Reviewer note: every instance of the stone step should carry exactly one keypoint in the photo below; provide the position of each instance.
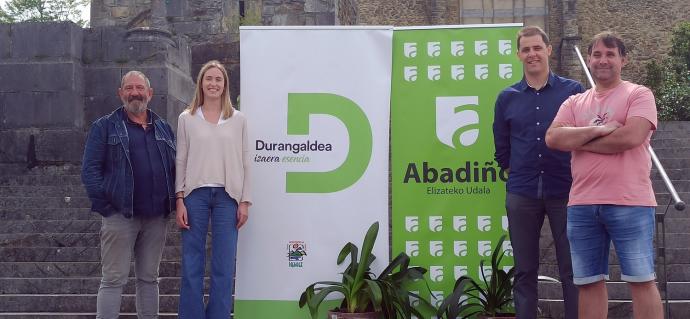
(40, 180)
(67, 254)
(671, 215)
(61, 226)
(67, 269)
(618, 309)
(676, 222)
(673, 240)
(672, 151)
(663, 135)
(682, 186)
(674, 174)
(668, 134)
(676, 273)
(45, 240)
(73, 303)
(48, 214)
(618, 290)
(52, 226)
(20, 169)
(673, 163)
(76, 285)
(44, 202)
(42, 191)
(680, 126)
(74, 315)
(673, 256)
(659, 142)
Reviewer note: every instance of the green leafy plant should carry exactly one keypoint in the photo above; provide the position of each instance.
(670, 78)
(387, 294)
(13, 11)
(492, 296)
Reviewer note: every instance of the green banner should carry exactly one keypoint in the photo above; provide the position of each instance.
(448, 192)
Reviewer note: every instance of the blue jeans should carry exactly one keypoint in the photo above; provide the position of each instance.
(591, 228)
(204, 204)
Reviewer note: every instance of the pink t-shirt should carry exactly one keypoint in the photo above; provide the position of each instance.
(621, 178)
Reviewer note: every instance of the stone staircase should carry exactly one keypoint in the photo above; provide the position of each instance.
(49, 246)
(671, 142)
(49, 249)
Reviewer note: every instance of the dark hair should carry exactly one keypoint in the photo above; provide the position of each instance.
(532, 31)
(610, 40)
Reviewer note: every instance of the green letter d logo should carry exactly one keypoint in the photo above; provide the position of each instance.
(300, 107)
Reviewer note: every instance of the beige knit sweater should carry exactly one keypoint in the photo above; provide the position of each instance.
(213, 154)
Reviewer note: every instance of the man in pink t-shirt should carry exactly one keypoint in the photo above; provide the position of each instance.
(607, 129)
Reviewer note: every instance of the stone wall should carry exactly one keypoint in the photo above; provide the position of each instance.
(41, 92)
(644, 25)
(56, 78)
(346, 12)
(397, 13)
(110, 52)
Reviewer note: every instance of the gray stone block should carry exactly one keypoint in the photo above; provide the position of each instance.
(176, 8)
(43, 109)
(99, 105)
(14, 146)
(180, 56)
(5, 41)
(60, 146)
(180, 85)
(102, 80)
(318, 6)
(44, 41)
(92, 52)
(157, 74)
(114, 47)
(40, 76)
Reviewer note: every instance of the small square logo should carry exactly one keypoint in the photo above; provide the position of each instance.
(296, 250)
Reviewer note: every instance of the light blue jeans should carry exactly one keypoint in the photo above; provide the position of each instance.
(204, 205)
(120, 239)
(592, 228)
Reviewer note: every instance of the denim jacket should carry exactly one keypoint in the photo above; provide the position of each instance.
(106, 167)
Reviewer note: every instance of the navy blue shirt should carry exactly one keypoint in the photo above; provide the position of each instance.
(521, 118)
(150, 193)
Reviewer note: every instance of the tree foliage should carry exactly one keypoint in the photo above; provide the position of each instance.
(43, 10)
(669, 79)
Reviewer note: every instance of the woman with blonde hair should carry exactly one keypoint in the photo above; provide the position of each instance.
(212, 175)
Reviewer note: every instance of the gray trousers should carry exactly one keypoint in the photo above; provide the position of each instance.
(122, 238)
(525, 219)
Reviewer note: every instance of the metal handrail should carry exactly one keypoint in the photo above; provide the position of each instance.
(678, 203)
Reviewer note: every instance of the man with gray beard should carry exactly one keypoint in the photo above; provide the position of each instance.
(128, 171)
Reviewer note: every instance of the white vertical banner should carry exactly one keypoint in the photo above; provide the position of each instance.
(317, 101)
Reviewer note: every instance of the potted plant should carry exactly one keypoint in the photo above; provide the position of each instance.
(366, 296)
(491, 297)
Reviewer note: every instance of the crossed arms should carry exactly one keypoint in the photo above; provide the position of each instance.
(610, 138)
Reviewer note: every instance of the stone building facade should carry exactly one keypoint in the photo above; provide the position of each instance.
(56, 78)
(212, 25)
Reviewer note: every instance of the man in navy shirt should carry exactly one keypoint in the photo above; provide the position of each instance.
(128, 171)
(539, 178)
